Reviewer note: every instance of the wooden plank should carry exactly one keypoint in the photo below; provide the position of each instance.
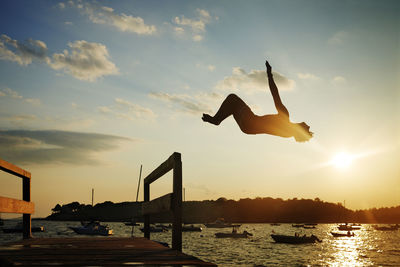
(165, 167)
(157, 205)
(14, 170)
(10, 205)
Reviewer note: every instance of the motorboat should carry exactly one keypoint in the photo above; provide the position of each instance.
(154, 229)
(191, 228)
(297, 225)
(387, 228)
(19, 229)
(295, 239)
(132, 223)
(348, 234)
(92, 228)
(166, 226)
(220, 223)
(233, 234)
(348, 227)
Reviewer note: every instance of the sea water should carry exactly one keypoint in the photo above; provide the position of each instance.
(368, 246)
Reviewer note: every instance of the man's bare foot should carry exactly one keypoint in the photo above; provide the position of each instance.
(209, 119)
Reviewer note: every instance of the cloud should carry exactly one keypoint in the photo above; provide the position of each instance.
(202, 188)
(19, 118)
(86, 61)
(179, 30)
(105, 15)
(307, 76)
(339, 80)
(197, 26)
(7, 92)
(209, 67)
(255, 80)
(48, 146)
(125, 109)
(22, 52)
(185, 103)
(338, 38)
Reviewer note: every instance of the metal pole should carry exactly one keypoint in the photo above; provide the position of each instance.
(92, 195)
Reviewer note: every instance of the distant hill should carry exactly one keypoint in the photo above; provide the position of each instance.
(258, 210)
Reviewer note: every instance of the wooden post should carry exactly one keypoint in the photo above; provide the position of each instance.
(146, 197)
(170, 202)
(177, 203)
(24, 206)
(26, 218)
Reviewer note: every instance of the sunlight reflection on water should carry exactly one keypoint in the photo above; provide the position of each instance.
(367, 247)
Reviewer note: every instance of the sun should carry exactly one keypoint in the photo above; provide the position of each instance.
(342, 160)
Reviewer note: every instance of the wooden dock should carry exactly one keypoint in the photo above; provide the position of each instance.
(99, 251)
(93, 251)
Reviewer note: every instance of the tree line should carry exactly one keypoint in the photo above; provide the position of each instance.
(246, 210)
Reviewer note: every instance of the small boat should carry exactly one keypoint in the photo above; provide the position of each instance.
(348, 227)
(191, 228)
(311, 224)
(296, 239)
(220, 223)
(297, 225)
(274, 224)
(154, 229)
(169, 226)
(387, 228)
(309, 227)
(348, 234)
(131, 224)
(234, 234)
(19, 229)
(92, 228)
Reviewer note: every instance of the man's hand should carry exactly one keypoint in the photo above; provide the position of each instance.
(269, 68)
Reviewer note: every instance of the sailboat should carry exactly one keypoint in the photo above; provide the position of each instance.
(133, 222)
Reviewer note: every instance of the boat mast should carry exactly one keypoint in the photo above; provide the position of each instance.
(138, 186)
(137, 196)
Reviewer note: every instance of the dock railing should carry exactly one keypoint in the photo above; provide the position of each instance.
(24, 206)
(169, 202)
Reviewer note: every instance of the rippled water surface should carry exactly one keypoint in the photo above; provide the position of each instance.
(367, 247)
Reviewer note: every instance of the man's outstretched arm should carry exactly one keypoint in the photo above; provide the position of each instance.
(274, 91)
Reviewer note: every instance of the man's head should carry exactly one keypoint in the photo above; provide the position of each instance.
(302, 132)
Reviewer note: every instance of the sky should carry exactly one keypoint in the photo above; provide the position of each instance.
(92, 90)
